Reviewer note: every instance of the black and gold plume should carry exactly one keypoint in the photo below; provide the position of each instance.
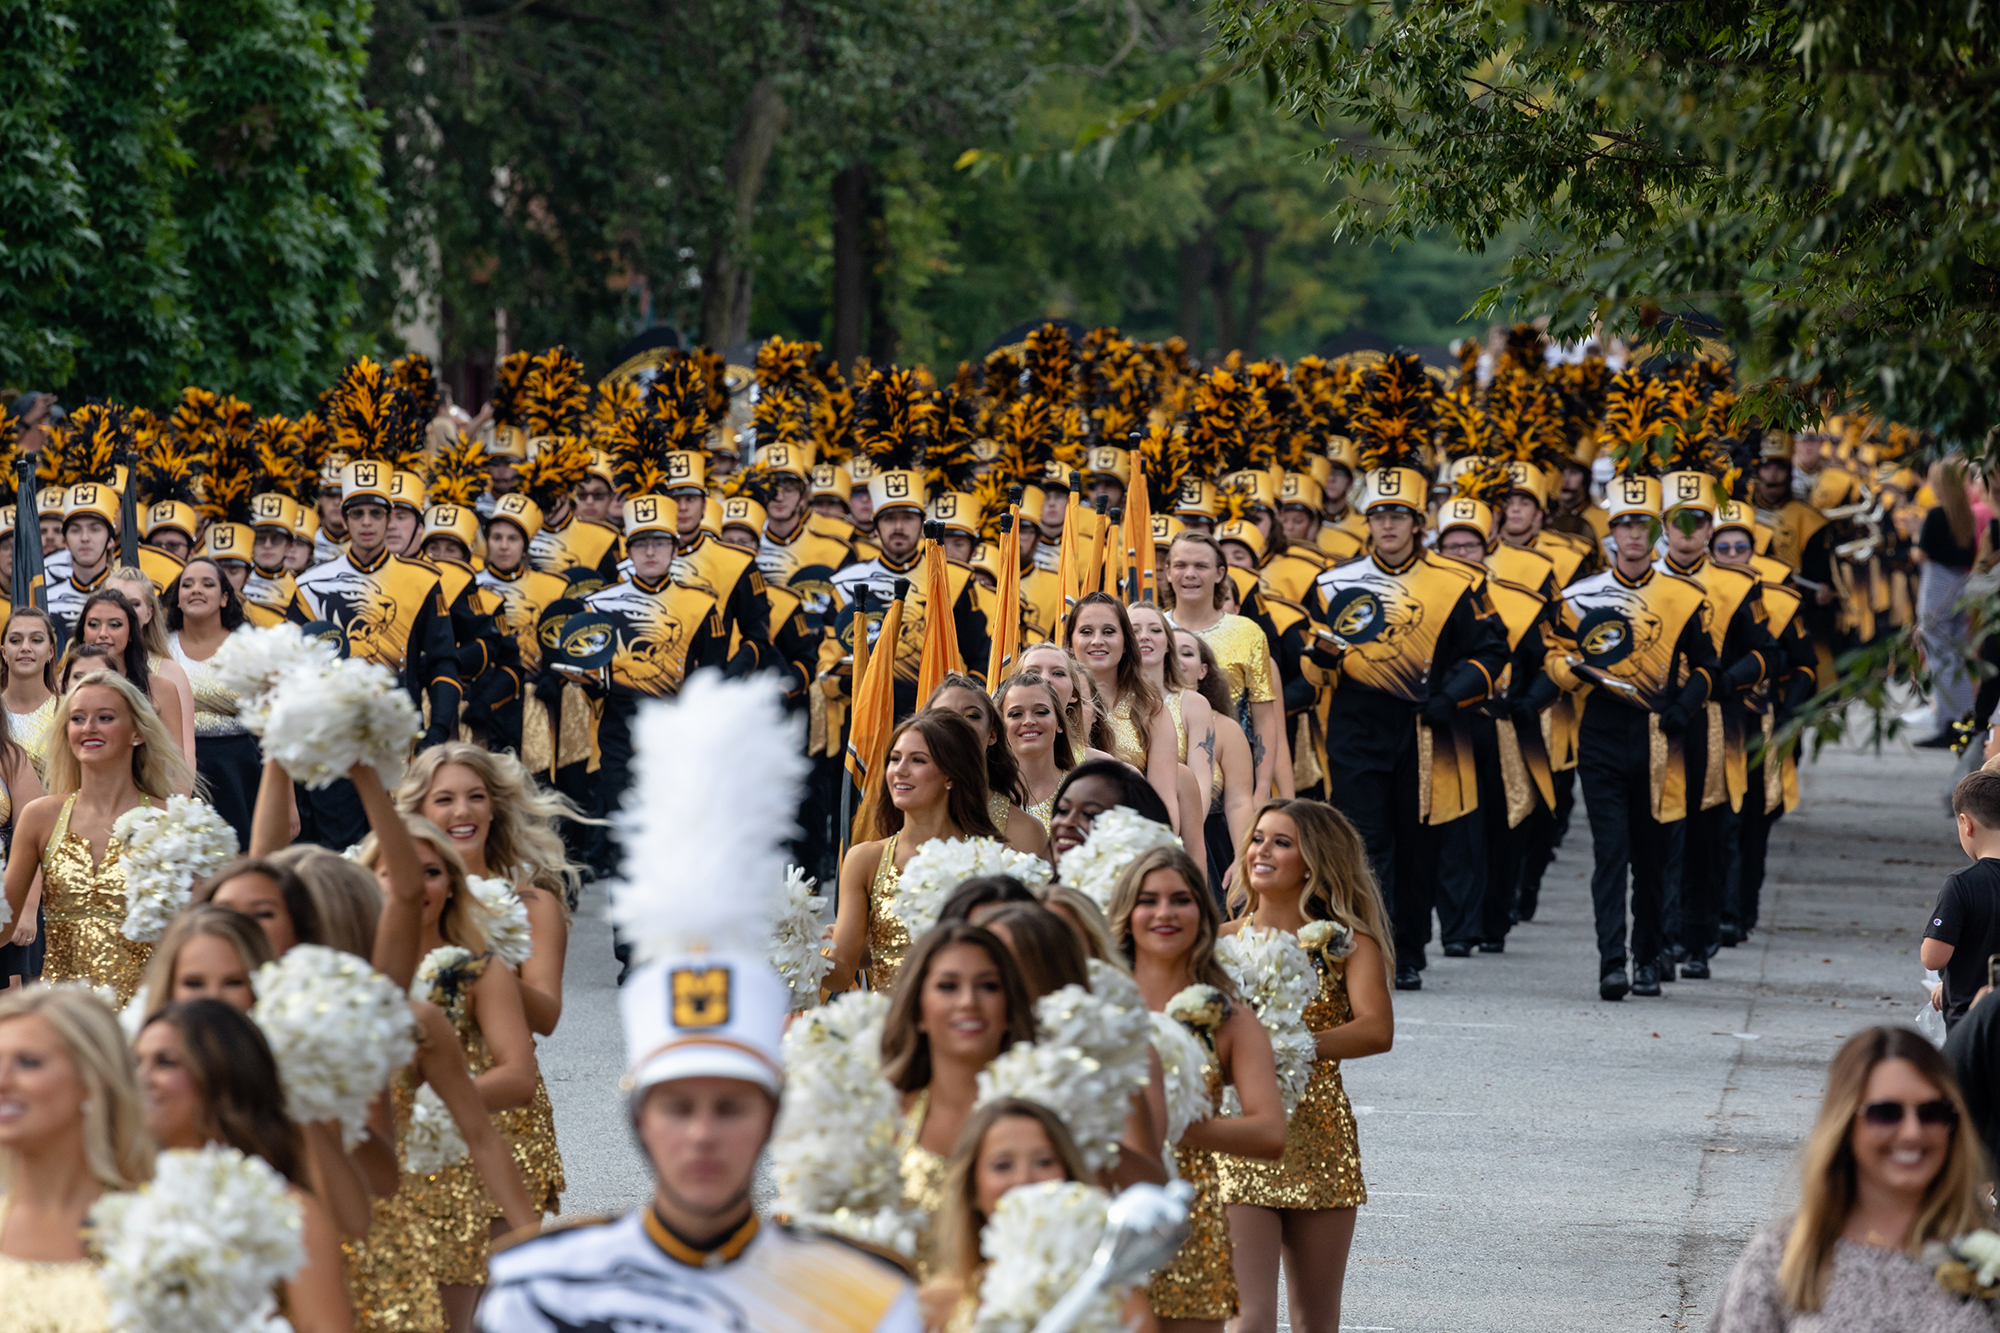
(415, 375)
(507, 381)
(278, 455)
(894, 420)
(557, 468)
(374, 417)
(1392, 413)
(1636, 412)
(458, 473)
(552, 398)
(89, 446)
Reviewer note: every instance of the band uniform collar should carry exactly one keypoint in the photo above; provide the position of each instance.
(1388, 568)
(379, 561)
(693, 1256)
(1639, 582)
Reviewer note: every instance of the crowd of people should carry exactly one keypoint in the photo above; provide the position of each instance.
(1348, 637)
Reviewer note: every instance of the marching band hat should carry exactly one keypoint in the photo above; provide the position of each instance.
(897, 489)
(1528, 479)
(1108, 460)
(519, 510)
(1464, 512)
(790, 459)
(600, 467)
(228, 541)
(91, 499)
(687, 472)
(272, 510)
(406, 491)
(1244, 533)
(1033, 497)
(1396, 488)
(650, 515)
(1340, 454)
(711, 516)
(50, 500)
(168, 514)
(1736, 514)
(831, 479)
(1165, 528)
(1632, 497)
(451, 520)
(305, 523)
(509, 442)
(365, 482)
(743, 511)
(957, 511)
(1255, 486)
(1687, 490)
(1300, 490)
(704, 1015)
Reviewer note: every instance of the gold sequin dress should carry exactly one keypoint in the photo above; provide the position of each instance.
(83, 906)
(51, 1297)
(923, 1180)
(1200, 1283)
(888, 937)
(1321, 1167)
(391, 1273)
(1127, 741)
(33, 731)
(1244, 654)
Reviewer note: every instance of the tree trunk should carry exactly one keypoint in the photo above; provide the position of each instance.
(725, 279)
(850, 274)
(1258, 240)
(884, 340)
(1221, 278)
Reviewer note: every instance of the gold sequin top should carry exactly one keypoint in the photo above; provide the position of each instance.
(997, 807)
(1321, 1167)
(1245, 655)
(51, 1297)
(33, 731)
(923, 1179)
(888, 937)
(1044, 811)
(1173, 700)
(1127, 741)
(214, 705)
(83, 904)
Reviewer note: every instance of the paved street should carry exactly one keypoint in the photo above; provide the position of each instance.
(1536, 1159)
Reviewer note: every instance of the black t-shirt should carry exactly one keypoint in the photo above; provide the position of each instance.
(1967, 917)
(1974, 1051)
(1936, 541)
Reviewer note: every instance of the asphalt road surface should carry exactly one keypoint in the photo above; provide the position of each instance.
(1537, 1159)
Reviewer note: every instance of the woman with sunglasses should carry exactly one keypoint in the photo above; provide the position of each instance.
(1892, 1165)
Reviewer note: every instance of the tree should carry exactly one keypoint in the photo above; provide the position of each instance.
(281, 204)
(45, 236)
(1816, 175)
(127, 309)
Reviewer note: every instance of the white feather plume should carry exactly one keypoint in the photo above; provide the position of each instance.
(714, 796)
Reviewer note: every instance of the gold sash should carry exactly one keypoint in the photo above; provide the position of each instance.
(1714, 781)
(1447, 781)
(1667, 767)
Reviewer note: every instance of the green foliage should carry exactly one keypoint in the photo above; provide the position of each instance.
(1816, 174)
(280, 205)
(127, 309)
(45, 235)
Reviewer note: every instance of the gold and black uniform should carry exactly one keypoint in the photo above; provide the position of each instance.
(731, 579)
(805, 562)
(393, 612)
(879, 577)
(577, 543)
(1746, 655)
(1640, 656)
(273, 599)
(514, 603)
(67, 596)
(1772, 786)
(1422, 644)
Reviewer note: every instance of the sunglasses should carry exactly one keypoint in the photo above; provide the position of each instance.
(1732, 548)
(1939, 1112)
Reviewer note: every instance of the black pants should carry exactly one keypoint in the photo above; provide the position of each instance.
(1753, 842)
(231, 767)
(1381, 800)
(331, 816)
(1613, 764)
(1541, 833)
(608, 785)
(1479, 856)
(1704, 871)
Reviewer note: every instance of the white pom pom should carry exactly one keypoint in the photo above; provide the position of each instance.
(321, 724)
(252, 661)
(714, 798)
(942, 864)
(167, 848)
(200, 1248)
(795, 949)
(1037, 1244)
(1184, 1071)
(433, 1141)
(338, 1029)
(505, 923)
(1118, 837)
(1273, 972)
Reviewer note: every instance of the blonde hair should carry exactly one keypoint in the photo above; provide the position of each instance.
(1075, 729)
(152, 635)
(1200, 964)
(158, 768)
(463, 920)
(521, 837)
(1828, 1177)
(1340, 882)
(348, 899)
(1088, 917)
(252, 945)
(1170, 667)
(116, 1147)
(959, 1222)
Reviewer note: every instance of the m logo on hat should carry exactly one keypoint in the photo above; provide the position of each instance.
(896, 486)
(222, 537)
(700, 996)
(84, 495)
(267, 506)
(823, 475)
(1191, 491)
(1290, 489)
(947, 506)
(510, 504)
(1389, 482)
(779, 456)
(1104, 459)
(1462, 511)
(445, 516)
(161, 512)
(646, 509)
(679, 467)
(1631, 491)
(1517, 473)
(735, 508)
(368, 474)
(1687, 487)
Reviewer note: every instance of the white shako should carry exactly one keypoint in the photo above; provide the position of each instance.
(718, 771)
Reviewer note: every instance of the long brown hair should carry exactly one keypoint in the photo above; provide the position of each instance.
(346, 898)
(1340, 883)
(1067, 722)
(1201, 965)
(960, 1221)
(1828, 1177)
(19, 614)
(954, 748)
(1072, 712)
(1003, 775)
(1170, 665)
(1132, 682)
(1044, 946)
(299, 904)
(1211, 686)
(237, 1077)
(906, 1051)
(240, 932)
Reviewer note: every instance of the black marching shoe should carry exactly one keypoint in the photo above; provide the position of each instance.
(1613, 985)
(1493, 946)
(1646, 979)
(1730, 936)
(1664, 964)
(1408, 978)
(1695, 969)
(1458, 949)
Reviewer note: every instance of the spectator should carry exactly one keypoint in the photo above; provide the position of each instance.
(1892, 1165)
(1964, 930)
(1949, 545)
(1973, 1048)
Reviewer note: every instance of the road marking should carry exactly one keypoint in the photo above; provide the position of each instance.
(1431, 1023)
(1396, 1110)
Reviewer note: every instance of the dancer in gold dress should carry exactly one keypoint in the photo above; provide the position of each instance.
(933, 786)
(1142, 730)
(1031, 717)
(1304, 865)
(28, 681)
(82, 1135)
(1165, 921)
(959, 1004)
(115, 756)
(1006, 800)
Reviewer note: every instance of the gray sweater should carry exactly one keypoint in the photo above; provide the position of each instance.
(1872, 1290)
